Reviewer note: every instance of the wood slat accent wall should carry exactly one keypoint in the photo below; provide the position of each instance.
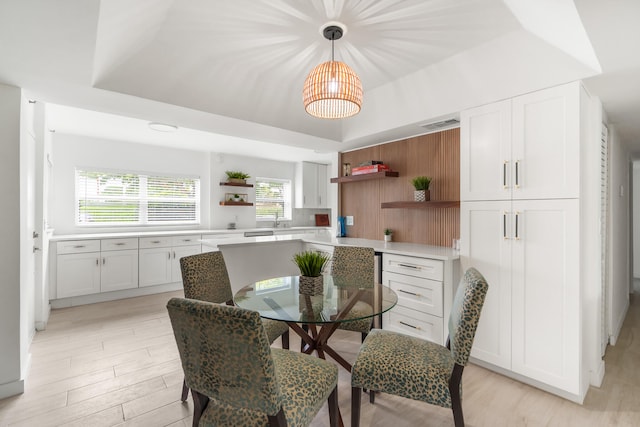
(436, 155)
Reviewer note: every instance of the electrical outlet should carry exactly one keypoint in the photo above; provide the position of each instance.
(350, 220)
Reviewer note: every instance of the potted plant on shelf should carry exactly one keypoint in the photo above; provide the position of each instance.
(237, 177)
(421, 185)
(311, 265)
(388, 234)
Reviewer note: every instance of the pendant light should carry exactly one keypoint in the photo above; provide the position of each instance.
(332, 90)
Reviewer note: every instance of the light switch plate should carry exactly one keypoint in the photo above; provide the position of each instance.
(349, 220)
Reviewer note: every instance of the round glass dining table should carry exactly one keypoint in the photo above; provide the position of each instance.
(316, 316)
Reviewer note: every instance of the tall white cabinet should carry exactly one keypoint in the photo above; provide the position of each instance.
(311, 185)
(520, 227)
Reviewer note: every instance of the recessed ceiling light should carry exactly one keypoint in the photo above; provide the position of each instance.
(162, 127)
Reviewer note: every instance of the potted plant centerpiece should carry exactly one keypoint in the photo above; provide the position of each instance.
(311, 265)
(421, 185)
(237, 177)
(388, 234)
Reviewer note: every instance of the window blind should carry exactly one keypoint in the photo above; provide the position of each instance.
(116, 198)
(273, 196)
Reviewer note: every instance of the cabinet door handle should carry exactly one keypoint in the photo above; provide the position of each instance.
(174, 254)
(415, 267)
(104, 260)
(97, 262)
(169, 253)
(504, 174)
(409, 325)
(504, 226)
(517, 174)
(409, 293)
(517, 237)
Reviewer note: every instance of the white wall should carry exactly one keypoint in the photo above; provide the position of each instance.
(636, 219)
(11, 359)
(71, 151)
(618, 298)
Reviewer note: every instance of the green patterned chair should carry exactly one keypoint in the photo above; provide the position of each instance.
(353, 264)
(237, 379)
(205, 278)
(417, 369)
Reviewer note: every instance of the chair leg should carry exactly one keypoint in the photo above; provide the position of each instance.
(200, 402)
(334, 413)
(285, 340)
(185, 391)
(364, 335)
(277, 420)
(305, 328)
(454, 390)
(356, 394)
(372, 397)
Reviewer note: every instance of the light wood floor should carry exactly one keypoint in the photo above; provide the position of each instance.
(116, 363)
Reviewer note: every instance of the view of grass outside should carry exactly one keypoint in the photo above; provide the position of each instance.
(273, 197)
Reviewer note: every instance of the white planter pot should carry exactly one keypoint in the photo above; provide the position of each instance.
(387, 237)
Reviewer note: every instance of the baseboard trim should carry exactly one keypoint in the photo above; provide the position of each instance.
(618, 327)
(115, 295)
(11, 389)
(597, 376)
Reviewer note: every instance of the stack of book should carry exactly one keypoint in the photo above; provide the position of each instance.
(371, 166)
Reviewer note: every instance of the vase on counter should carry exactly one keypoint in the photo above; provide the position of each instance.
(388, 237)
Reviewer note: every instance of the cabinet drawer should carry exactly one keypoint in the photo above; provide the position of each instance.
(411, 322)
(416, 293)
(413, 266)
(155, 242)
(78, 246)
(118, 244)
(193, 239)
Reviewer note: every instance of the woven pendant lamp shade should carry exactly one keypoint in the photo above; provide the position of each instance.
(332, 90)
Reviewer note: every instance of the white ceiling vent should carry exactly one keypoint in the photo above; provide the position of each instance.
(441, 125)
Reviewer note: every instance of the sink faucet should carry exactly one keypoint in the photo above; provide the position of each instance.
(275, 222)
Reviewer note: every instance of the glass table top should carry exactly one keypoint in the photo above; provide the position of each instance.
(340, 301)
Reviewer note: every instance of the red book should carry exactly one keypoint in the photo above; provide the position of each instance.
(359, 170)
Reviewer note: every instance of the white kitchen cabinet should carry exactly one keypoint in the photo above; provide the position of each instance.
(419, 285)
(528, 250)
(78, 268)
(160, 258)
(311, 185)
(119, 264)
(524, 148)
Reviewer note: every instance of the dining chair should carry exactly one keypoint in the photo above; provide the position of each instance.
(410, 367)
(205, 278)
(355, 266)
(237, 379)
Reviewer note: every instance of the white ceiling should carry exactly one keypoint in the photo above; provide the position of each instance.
(230, 73)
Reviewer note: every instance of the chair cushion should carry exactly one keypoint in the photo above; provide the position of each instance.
(305, 381)
(404, 366)
(361, 325)
(274, 329)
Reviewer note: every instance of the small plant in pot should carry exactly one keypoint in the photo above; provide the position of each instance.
(388, 234)
(421, 185)
(237, 177)
(311, 265)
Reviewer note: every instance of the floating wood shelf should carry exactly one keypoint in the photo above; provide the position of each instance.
(422, 205)
(235, 204)
(366, 176)
(235, 184)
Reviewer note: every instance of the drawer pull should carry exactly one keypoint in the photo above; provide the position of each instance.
(120, 244)
(186, 240)
(407, 324)
(78, 246)
(409, 293)
(414, 267)
(156, 241)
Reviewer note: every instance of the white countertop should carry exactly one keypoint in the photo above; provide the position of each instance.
(409, 249)
(121, 235)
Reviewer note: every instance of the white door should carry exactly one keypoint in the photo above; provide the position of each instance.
(177, 253)
(119, 270)
(485, 229)
(154, 266)
(485, 152)
(546, 143)
(546, 292)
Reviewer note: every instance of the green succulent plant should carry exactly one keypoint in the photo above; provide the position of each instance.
(237, 175)
(311, 263)
(388, 231)
(421, 182)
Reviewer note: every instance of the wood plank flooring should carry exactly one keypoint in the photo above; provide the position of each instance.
(116, 364)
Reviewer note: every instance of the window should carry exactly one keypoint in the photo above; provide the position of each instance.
(273, 196)
(122, 198)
